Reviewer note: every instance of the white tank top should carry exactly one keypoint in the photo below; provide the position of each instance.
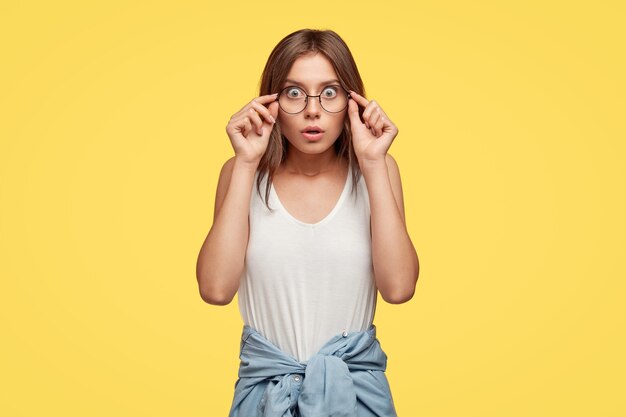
(304, 283)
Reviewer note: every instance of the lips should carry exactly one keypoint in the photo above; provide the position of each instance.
(313, 132)
(312, 129)
(313, 136)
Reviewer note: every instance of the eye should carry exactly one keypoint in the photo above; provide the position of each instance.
(293, 92)
(329, 92)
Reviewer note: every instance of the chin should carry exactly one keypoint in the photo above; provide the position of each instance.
(312, 148)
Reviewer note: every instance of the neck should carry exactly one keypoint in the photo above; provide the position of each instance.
(311, 165)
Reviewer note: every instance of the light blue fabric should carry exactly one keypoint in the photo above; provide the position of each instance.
(344, 379)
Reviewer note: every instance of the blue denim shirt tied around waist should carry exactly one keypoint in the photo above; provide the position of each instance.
(344, 378)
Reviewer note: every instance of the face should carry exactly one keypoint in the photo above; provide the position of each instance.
(315, 75)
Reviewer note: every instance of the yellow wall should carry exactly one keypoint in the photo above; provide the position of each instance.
(511, 150)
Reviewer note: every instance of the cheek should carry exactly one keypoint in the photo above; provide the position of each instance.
(284, 122)
(340, 124)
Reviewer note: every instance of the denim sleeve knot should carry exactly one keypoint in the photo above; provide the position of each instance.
(339, 380)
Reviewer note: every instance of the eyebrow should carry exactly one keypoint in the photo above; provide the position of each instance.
(299, 83)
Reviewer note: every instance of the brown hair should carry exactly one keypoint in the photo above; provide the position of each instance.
(282, 57)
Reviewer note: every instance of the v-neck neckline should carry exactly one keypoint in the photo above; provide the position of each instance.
(327, 218)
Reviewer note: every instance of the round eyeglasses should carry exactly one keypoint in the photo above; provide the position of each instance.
(293, 99)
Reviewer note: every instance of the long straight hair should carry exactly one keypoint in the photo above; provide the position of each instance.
(282, 57)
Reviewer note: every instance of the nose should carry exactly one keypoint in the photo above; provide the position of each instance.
(313, 106)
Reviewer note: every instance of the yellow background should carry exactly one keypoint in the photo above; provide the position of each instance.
(511, 150)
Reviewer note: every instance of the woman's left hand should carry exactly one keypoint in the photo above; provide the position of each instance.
(372, 139)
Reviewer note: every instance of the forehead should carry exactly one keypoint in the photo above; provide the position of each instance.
(312, 70)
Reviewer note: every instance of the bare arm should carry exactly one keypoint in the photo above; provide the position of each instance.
(396, 266)
(221, 259)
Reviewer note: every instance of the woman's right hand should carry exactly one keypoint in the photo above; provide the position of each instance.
(249, 129)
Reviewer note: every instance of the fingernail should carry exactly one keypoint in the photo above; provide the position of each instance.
(272, 119)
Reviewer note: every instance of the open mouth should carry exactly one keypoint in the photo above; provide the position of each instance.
(313, 134)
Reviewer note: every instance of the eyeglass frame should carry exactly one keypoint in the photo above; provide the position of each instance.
(306, 99)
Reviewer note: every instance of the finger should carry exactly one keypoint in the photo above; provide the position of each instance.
(383, 120)
(371, 122)
(268, 98)
(261, 99)
(382, 123)
(353, 113)
(247, 123)
(359, 98)
(256, 120)
(379, 128)
(367, 117)
(246, 127)
(374, 121)
(273, 109)
(262, 110)
(369, 110)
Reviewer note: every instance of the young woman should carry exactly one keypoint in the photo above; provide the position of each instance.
(308, 227)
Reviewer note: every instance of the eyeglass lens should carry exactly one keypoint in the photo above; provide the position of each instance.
(293, 99)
